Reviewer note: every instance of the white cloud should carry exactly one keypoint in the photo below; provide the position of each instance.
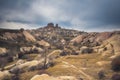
(46, 11)
(50, 10)
(17, 25)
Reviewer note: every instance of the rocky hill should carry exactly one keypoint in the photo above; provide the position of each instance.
(55, 53)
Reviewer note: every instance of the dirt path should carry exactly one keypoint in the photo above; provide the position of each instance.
(79, 70)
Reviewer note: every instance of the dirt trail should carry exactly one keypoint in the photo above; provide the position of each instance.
(79, 70)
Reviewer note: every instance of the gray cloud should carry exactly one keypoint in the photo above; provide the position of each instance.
(88, 15)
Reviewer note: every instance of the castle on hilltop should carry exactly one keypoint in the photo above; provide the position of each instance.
(52, 26)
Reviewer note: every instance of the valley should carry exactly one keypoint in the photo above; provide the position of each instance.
(55, 53)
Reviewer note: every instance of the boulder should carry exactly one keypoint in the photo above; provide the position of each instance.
(107, 53)
(47, 77)
(4, 74)
(3, 51)
(20, 62)
(102, 63)
(67, 78)
(22, 67)
(15, 70)
(25, 49)
(109, 46)
(63, 41)
(85, 49)
(43, 43)
(30, 49)
(55, 54)
(44, 77)
(28, 37)
(101, 50)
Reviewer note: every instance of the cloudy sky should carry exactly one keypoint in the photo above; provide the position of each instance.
(85, 15)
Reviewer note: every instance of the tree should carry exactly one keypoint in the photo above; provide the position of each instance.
(45, 57)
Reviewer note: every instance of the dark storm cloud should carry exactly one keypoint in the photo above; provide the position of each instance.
(10, 8)
(14, 4)
(102, 13)
(105, 11)
(78, 14)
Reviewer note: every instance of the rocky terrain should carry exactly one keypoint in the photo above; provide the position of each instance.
(55, 53)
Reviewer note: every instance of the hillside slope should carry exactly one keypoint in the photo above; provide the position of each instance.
(57, 53)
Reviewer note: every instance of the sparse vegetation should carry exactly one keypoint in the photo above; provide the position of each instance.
(101, 75)
(115, 77)
(59, 52)
(116, 64)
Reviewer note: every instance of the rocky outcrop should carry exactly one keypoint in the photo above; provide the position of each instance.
(92, 39)
(31, 49)
(55, 54)
(47, 77)
(85, 49)
(28, 37)
(43, 43)
(103, 63)
(11, 36)
(68, 78)
(16, 36)
(78, 39)
(103, 36)
(110, 47)
(44, 77)
(3, 51)
(24, 66)
(4, 74)
(20, 62)
(86, 39)
(115, 43)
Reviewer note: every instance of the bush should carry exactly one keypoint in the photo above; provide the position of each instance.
(116, 64)
(16, 71)
(7, 78)
(3, 62)
(20, 55)
(12, 77)
(101, 75)
(40, 66)
(43, 72)
(116, 77)
(15, 77)
(64, 53)
(74, 53)
(51, 63)
(32, 68)
(10, 59)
